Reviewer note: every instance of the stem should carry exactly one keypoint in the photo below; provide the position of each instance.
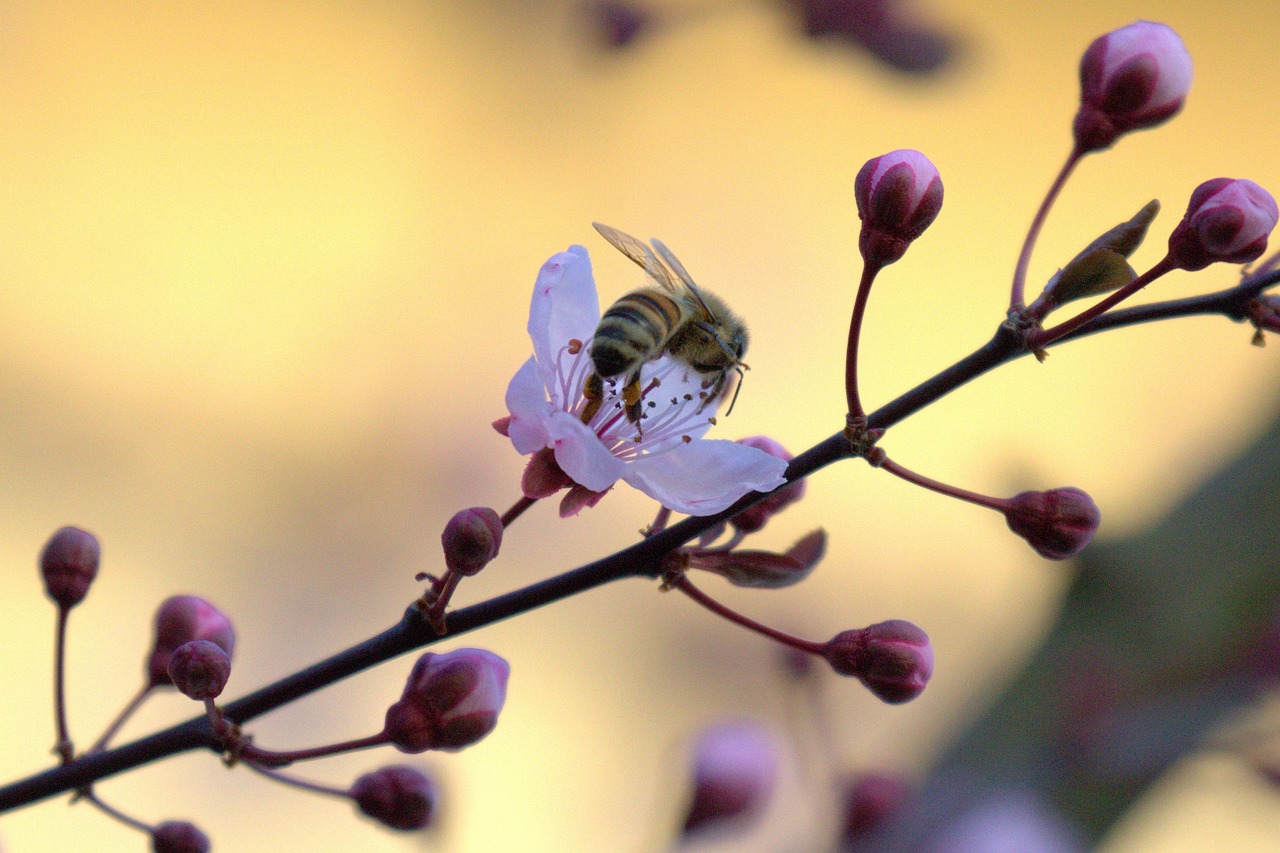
(287, 779)
(686, 586)
(517, 510)
(64, 748)
(942, 488)
(1024, 257)
(117, 814)
(124, 715)
(869, 272)
(1044, 338)
(267, 757)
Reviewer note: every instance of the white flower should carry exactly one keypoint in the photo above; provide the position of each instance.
(670, 462)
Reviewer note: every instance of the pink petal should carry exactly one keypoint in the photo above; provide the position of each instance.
(705, 477)
(564, 306)
(581, 453)
(527, 402)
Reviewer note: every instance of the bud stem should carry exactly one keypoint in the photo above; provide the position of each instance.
(1039, 340)
(932, 485)
(106, 809)
(869, 272)
(294, 781)
(517, 509)
(127, 712)
(686, 586)
(64, 748)
(1016, 300)
(270, 758)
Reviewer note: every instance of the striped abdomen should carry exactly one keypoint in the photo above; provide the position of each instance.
(634, 330)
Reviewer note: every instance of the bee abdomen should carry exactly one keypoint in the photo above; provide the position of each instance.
(633, 331)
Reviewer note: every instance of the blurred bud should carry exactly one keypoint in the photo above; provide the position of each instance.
(179, 620)
(471, 540)
(1058, 523)
(1131, 78)
(1228, 220)
(764, 569)
(618, 24)
(178, 836)
(899, 195)
(893, 659)
(754, 517)
(735, 767)
(450, 701)
(397, 796)
(69, 563)
(200, 669)
(880, 27)
(870, 798)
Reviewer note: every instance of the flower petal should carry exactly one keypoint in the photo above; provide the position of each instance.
(564, 306)
(704, 477)
(581, 453)
(527, 403)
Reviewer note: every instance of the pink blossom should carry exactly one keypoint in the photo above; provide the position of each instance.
(1228, 220)
(899, 195)
(735, 768)
(450, 701)
(670, 462)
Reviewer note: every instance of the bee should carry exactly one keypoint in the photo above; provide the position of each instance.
(693, 326)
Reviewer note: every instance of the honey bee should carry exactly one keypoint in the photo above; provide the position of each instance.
(693, 326)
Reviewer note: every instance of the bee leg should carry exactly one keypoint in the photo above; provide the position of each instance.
(633, 398)
(593, 392)
(717, 388)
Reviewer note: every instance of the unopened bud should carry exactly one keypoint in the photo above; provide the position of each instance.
(893, 659)
(1131, 78)
(179, 620)
(735, 768)
(397, 796)
(754, 517)
(200, 669)
(178, 836)
(1058, 523)
(899, 195)
(1228, 219)
(471, 540)
(69, 563)
(869, 799)
(450, 701)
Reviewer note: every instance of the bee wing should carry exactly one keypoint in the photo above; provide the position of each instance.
(640, 253)
(672, 261)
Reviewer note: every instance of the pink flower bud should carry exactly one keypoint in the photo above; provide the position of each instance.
(893, 659)
(899, 195)
(869, 799)
(1131, 78)
(1227, 220)
(397, 796)
(200, 669)
(450, 701)
(471, 540)
(178, 836)
(1057, 523)
(179, 620)
(735, 767)
(69, 563)
(753, 518)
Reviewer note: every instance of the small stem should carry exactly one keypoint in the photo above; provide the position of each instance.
(116, 813)
(686, 586)
(1039, 340)
(869, 272)
(64, 748)
(127, 712)
(1016, 294)
(942, 488)
(660, 521)
(517, 509)
(287, 779)
(271, 758)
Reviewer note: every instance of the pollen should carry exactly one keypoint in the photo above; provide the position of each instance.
(686, 439)
(575, 346)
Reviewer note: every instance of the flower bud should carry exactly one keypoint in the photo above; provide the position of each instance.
(869, 799)
(1131, 78)
(450, 701)
(753, 518)
(1057, 523)
(735, 767)
(397, 796)
(179, 620)
(178, 836)
(471, 540)
(1227, 220)
(899, 195)
(69, 563)
(893, 659)
(200, 669)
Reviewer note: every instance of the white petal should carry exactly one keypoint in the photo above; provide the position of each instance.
(564, 306)
(704, 477)
(581, 453)
(527, 403)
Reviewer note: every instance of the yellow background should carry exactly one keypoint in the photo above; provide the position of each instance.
(264, 269)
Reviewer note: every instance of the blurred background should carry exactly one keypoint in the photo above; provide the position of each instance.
(264, 274)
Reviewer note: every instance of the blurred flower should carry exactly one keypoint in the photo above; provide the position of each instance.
(618, 24)
(1058, 523)
(397, 796)
(1228, 219)
(879, 27)
(735, 767)
(1007, 822)
(179, 620)
(1131, 78)
(899, 195)
(893, 659)
(450, 701)
(870, 798)
(670, 463)
(471, 540)
(68, 564)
